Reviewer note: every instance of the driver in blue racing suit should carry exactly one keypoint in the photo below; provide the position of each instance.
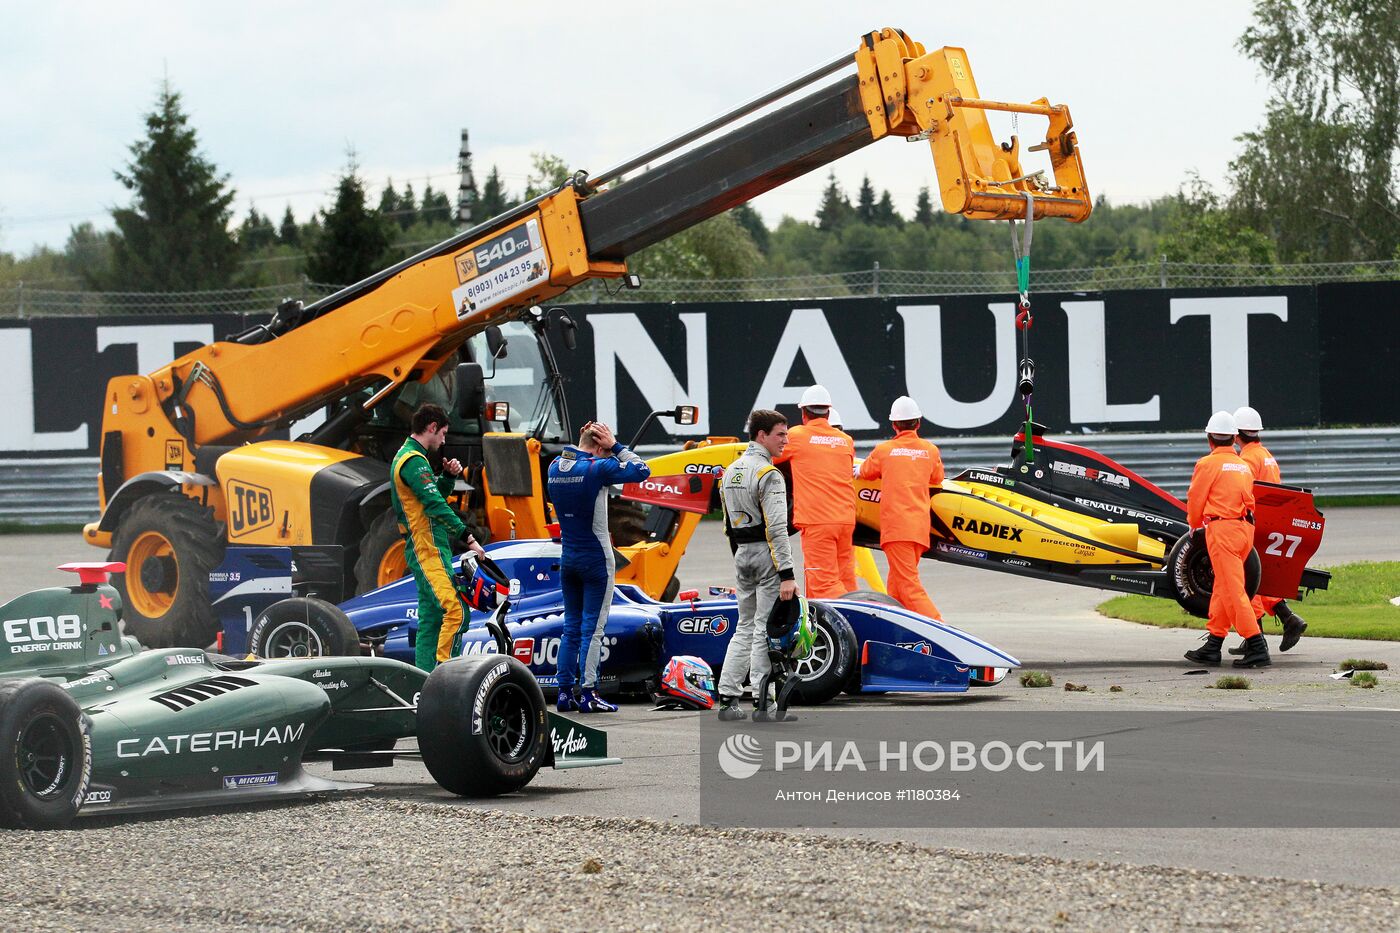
(578, 486)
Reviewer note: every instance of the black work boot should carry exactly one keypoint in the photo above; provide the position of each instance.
(1293, 625)
(1208, 653)
(1239, 649)
(729, 710)
(1256, 652)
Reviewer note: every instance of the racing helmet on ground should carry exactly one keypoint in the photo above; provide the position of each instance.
(687, 682)
(486, 586)
(790, 629)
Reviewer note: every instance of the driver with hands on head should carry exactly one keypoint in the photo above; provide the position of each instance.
(754, 496)
(578, 486)
(429, 526)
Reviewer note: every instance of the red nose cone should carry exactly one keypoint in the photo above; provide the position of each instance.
(94, 572)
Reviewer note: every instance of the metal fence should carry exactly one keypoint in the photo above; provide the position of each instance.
(19, 300)
(1361, 461)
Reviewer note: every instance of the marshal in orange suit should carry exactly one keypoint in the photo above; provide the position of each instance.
(907, 466)
(823, 497)
(1221, 499)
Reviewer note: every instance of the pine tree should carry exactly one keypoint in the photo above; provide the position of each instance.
(885, 215)
(174, 236)
(388, 199)
(288, 234)
(494, 199)
(468, 197)
(354, 241)
(835, 210)
(436, 208)
(406, 214)
(256, 232)
(751, 221)
(923, 208)
(865, 201)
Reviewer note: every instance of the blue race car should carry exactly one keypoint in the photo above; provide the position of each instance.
(868, 644)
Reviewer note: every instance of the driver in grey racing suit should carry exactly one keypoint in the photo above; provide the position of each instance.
(754, 495)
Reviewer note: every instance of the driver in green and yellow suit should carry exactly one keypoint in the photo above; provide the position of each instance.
(430, 526)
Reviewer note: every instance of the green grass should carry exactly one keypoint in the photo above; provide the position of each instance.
(1356, 605)
(1362, 664)
(1232, 682)
(17, 528)
(1364, 679)
(1326, 502)
(1036, 679)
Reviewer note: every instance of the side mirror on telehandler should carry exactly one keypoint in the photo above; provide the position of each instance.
(471, 390)
(496, 342)
(682, 414)
(569, 330)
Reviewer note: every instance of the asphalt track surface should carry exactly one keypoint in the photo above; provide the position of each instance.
(352, 862)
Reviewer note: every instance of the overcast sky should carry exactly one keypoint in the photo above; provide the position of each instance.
(279, 91)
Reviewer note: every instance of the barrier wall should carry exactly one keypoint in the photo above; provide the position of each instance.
(1139, 361)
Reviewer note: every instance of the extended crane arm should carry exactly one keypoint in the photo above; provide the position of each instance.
(405, 321)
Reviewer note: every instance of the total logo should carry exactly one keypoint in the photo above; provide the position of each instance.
(712, 625)
(740, 756)
(651, 485)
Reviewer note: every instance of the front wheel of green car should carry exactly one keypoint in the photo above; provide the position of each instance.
(45, 756)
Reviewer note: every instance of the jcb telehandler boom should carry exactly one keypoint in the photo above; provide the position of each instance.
(187, 466)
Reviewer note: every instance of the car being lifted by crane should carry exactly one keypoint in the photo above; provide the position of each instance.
(192, 466)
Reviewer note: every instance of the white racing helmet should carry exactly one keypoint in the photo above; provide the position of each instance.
(1247, 419)
(1221, 423)
(905, 409)
(815, 397)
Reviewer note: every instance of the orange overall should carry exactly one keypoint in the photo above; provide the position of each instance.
(1266, 470)
(1221, 495)
(823, 505)
(907, 466)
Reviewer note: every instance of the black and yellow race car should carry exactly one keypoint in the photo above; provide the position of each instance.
(1057, 511)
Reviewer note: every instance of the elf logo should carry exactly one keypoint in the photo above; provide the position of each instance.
(973, 526)
(716, 625)
(249, 508)
(868, 495)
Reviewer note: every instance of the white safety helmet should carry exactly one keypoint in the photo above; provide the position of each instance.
(1247, 419)
(905, 409)
(1221, 423)
(815, 397)
(833, 418)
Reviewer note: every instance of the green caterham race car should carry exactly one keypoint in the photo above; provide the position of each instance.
(92, 722)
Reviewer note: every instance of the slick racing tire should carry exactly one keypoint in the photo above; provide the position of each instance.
(823, 675)
(303, 627)
(169, 543)
(482, 725)
(1192, 577)
(870, 596)
(45, 758)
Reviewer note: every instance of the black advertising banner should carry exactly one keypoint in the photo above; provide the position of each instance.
(1360, 352)
(1117, 360)
(57, 369)
(1148, 360)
